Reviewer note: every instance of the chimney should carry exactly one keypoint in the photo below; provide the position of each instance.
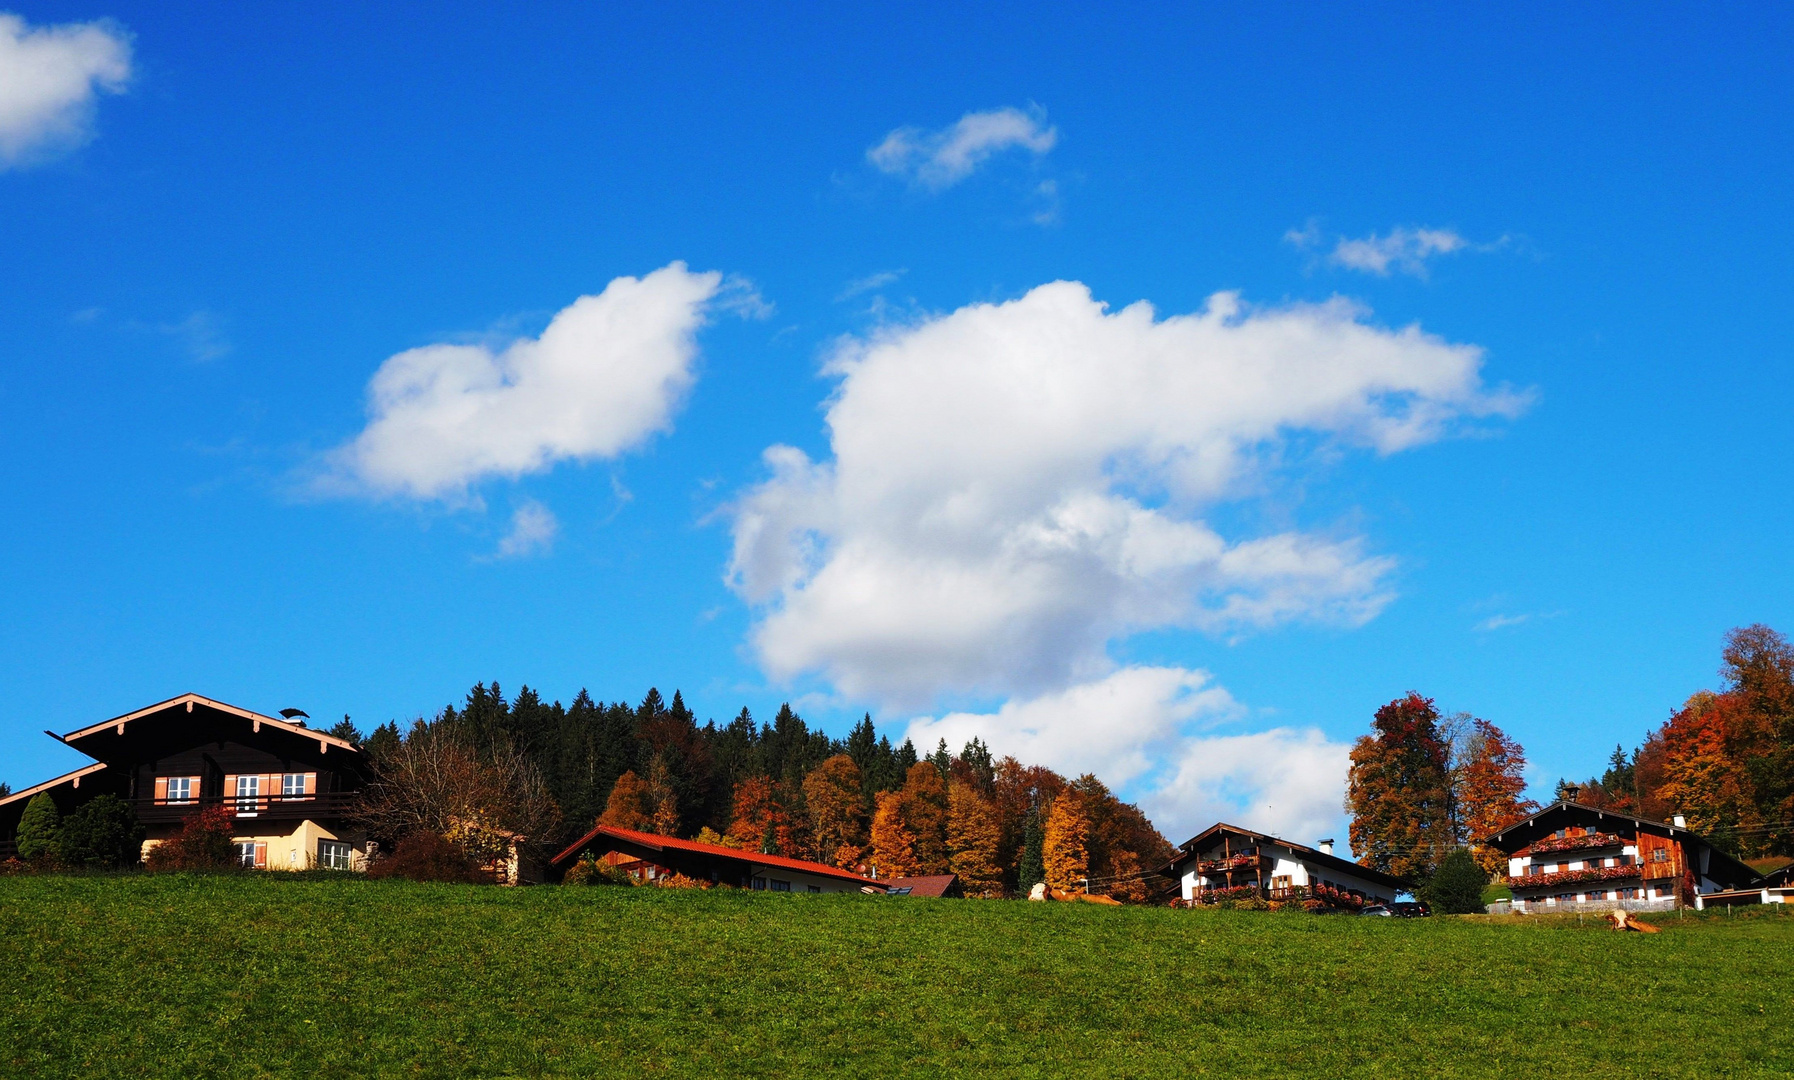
(1327, 846)
(1679, 821)
(1570, 792)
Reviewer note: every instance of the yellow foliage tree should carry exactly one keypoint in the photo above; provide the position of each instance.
(663, 818)
(627, 807)
(893, 844)
(973, 837)
(925, 813)
(835, 797)
(1063, 849)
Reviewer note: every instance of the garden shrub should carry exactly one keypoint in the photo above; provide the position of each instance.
(1457, 886)
(428, 856)
(203, 845)
(102, 835)
(593, 872)
(39, 830)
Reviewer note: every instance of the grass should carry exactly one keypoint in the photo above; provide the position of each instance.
(258, 976)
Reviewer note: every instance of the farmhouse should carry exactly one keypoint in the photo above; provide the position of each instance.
(1571, 855)
(286, 785)
(648, 856)
(929, 885)
(1226, 862)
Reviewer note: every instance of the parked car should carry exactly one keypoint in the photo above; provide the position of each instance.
(1377, 909)
(1409, 909)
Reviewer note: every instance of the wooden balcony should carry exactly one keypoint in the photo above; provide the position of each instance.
(326, 804)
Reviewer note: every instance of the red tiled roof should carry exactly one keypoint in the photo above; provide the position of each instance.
(929, 885)
(656, 842)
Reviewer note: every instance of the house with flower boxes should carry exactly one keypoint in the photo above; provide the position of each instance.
(1226, 862)
(289, 789)
(1569, 856)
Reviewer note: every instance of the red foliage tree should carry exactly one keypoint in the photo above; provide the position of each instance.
(1399, 790)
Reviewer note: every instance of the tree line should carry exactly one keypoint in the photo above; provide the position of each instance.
(1724, 759)
(489, 770)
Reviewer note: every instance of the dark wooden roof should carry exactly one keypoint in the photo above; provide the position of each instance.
(1307, 854)
(926, 885)
(656, 842)
(191, 718)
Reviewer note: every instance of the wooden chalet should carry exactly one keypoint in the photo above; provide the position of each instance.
(1569, 855)
(288, 787)
(1226, 862)
(649, 856)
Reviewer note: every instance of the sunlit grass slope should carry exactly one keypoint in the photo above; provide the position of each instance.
(258, 976)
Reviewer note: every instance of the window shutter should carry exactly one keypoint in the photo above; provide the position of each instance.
(193, 792)
(261, 855)
(311, 783)
(230, 784)
(161, 788)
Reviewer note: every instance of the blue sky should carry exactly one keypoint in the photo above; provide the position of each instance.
(230, 220)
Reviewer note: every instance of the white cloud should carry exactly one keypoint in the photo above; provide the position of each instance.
(202, 335)
(1402, 249)
(940, 159)
(1499, 622)
(533, 529)
(1015, 485)
(869, 283)
(1151, 729)
(49, 76)
(608, 372)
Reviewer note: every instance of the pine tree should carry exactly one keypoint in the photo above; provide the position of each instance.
(346, 731)
(1031, 868)
(40, 827)
(1063, 848)
(942, 760)
(383, 741)
(972, 838)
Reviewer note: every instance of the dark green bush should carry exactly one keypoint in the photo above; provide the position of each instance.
(102, 835)
(1456, 888)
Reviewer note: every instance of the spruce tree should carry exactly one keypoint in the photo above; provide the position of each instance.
(346, 731)
(1456, 888)
(1032, 867)
(40, 827)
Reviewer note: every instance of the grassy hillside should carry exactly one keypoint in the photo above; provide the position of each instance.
(258, 976)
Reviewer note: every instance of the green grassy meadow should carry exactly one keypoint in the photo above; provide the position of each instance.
(258, 976)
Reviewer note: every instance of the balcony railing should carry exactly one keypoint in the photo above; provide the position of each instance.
(323, 804)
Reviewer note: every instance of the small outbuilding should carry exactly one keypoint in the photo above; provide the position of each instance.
(930, 885)
(649, 857)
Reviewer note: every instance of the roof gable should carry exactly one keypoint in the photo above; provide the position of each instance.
(152, 730)
(1303, 852)
(656, 842)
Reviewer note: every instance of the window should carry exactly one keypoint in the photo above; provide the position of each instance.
(180, 789)
(1659, 855)
(292, 785)
(780, 886)
(246, 853)
(249, 790)
(333, 855)
(815, 888)
(760, 883)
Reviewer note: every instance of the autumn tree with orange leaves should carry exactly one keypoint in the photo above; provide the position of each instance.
(836, 803)
(972, 841)
(1065, 849)
(1489, 782)
(893, 843)
(1398, 791)
(628, 806)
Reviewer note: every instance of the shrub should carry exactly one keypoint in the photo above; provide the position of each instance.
(103, 834)
(593, 872)
(203, 845)
(1457, 886)
(428, 856)
(39, 829)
